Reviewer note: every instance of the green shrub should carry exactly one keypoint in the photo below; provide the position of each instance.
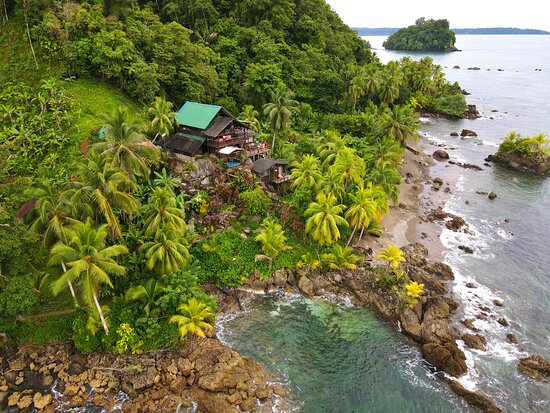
(255, 201)
(451, 105)
(84, 341)
(18, 297)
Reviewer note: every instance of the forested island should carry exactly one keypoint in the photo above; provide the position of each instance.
(386, 31)
(157, 156)
(425, 35)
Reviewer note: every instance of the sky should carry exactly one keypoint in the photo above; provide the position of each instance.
(525, 14)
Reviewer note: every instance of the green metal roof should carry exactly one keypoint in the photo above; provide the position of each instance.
(197, 115)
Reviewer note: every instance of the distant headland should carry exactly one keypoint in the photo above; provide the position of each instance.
(386, 31)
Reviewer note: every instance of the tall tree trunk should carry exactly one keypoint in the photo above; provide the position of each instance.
(360, 235)
(71, 289)
(100, 312)
(273, 143)
(29, 32)
(5, 9)
(352, 234)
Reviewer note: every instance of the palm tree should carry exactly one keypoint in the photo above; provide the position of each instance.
(272, 237)
(307, 171)
(372, 82)
(324, 219)
(126, 146)
(341, 257)
(332, 143)
(192, 320)
(356, 90)
(400, 124)
(539, 141)
(388, 178)
(165, 180)
(367, 204)
(384, 152)
(250, 116)
(350, 166)
(388, 89)
(162, 211)
(392, 255)
(53, 214)
(103, 187)
(332, 183)
(89, 260)
(163, 117)
(279, 111)
(168, 251)
(147, 293)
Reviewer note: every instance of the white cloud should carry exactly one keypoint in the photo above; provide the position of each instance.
(527, 14)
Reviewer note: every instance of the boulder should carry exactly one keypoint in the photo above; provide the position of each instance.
(305, 285)
(472, 398)
(512, 338)
(447, 357)
(466, 249)
(410, 324)
(455, 134)
(441, 155)
(492, 195)
(455, 223)
(468, 132)
(475, 341)
(535, 366)
(279, 278)
(24, 402)
(503, 322)
(441, 270)
(41, 401)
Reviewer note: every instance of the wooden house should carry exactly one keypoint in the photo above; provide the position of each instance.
(205, 128)
(271, 170)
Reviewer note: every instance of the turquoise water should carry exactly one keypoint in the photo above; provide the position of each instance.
(337, 359)
(366, 366)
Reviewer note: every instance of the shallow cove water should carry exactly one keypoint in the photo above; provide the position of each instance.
(336, 358)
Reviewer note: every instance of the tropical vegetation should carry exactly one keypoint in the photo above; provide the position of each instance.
(95, 223)
(430, 34)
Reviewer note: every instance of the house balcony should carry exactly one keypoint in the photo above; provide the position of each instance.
(257, 149)
(284, 178)
(228, 140)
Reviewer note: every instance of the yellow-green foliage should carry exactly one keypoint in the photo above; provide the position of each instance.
(392, 255)
(414, 291)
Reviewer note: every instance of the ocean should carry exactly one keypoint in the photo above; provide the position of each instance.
(337, 358)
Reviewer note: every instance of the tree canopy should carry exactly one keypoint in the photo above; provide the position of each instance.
(430, 34)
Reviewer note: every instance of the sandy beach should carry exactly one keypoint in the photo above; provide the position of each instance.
(405, 223)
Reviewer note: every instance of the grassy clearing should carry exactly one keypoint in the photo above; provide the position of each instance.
(93, 99)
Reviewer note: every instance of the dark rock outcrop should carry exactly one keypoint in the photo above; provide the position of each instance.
(535, 366)
(472, 398)
(468, 132)
(519, 162)
(440, 155)
(475, 341)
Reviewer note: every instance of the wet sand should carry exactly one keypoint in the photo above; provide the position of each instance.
(406, 223)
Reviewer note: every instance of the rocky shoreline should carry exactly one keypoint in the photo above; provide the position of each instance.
(427, 325)
(203, 376)
(522, 163)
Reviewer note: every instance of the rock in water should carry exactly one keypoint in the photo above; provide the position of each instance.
(492, 195)
(475, 341)
(441, 155)
(535, 366)
(468, 132)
